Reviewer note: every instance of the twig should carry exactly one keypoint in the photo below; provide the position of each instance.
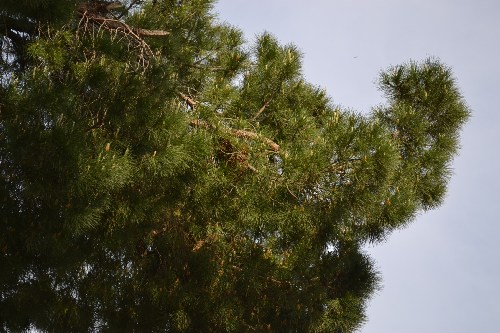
(289, 191)
(261, 109)
(266, 103)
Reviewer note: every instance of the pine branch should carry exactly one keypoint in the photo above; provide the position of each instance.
(98, 13)
(192, 103)
(122, 26)
(252, 135)
(240, 134)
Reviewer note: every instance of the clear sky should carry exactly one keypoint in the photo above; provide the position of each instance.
(442, 273)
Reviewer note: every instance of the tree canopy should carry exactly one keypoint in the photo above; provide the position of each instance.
(160, 174)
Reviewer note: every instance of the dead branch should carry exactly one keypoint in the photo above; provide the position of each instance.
(261, 109)
(150, 33)
(252, 135)
(240, 134)
(192, 103)
(113, 24)
(251, 167)
(98, 14)
(266, 104)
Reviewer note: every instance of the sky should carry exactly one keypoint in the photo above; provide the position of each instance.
(442, 273)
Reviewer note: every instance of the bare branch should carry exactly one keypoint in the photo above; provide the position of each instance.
(266, 103)
(192, 103)
(100, 14)
(119, 25)
(150, 33)
(241, 134)
(252, 135)
(261, 109)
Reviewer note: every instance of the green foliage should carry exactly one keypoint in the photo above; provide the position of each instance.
(158, 175)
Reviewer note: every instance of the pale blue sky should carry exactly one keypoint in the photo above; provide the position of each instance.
(441, 274)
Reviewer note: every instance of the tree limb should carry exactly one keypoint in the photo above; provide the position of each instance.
(252, 135)
(192, 103)
(119, 25)
(240, 134)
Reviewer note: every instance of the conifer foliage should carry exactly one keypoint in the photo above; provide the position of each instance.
(159, 174)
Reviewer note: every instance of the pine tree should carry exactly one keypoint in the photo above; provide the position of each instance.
(159, 175)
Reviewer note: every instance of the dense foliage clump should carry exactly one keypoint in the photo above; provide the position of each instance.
(159, 175)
